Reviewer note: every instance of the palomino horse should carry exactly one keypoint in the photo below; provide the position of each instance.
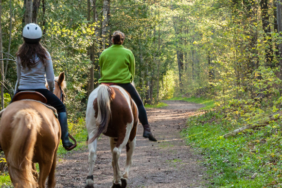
(111, 111)
(30, 133)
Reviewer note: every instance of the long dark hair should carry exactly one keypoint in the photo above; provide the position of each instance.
(118, 37)
(27, 54)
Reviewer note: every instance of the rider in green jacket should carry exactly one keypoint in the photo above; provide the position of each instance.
(117, 66)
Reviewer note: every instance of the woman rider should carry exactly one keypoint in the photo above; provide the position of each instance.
(33, 62)
(117, 66)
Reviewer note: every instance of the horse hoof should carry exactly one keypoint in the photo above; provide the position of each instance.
(123, 182)
(116, 186)
(90, 182)
(89, 186)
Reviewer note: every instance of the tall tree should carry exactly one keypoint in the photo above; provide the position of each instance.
(43, 15)
(267, 30)
(179, 52)
(1, 59)
(36, 5)
(105, 24)
(10, 39)
(279, 30)
(28, 11)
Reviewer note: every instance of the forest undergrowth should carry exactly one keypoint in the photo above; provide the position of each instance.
(242, 154)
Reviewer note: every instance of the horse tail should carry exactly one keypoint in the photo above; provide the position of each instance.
(103, 108)
(26, 125)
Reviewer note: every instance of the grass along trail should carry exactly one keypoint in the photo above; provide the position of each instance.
(167, 163)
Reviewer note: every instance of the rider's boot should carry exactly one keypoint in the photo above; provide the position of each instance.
(62, 116)
(148, 134)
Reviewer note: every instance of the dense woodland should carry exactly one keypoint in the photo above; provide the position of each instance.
(226, 50)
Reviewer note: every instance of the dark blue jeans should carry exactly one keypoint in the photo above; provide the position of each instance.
(137, 99)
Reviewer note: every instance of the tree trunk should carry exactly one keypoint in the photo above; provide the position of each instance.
(141, 68)
(10, 38)
(275, 23)
(105, 23)
(152, 90)
(279, 30)
(179, 52)
(193, 61)
(267, 30)
(211, 73)
(28, 12)
(43, 13)
(180, 68)
(148, 92)
(90, 53)
(1, 59)
(36, 5)
(109, 24)
(96, 43)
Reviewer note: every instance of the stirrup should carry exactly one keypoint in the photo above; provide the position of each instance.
(73, 146)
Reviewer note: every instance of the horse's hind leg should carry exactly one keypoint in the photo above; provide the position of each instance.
(91, 160)
(51, 178)
(115, 158)
(130, 146)
(44, 172)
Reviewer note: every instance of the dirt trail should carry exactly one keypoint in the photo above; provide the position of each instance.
(167, 163)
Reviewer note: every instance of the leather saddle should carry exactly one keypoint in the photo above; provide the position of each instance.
(33, 95)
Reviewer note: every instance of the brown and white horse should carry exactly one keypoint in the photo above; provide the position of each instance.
(111, 111)
(30, 133)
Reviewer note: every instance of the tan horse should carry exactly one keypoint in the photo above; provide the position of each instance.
(30, 133)
(111, 111)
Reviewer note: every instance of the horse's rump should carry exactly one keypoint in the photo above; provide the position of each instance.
(122, 114)
(113, 111)
(29, 132)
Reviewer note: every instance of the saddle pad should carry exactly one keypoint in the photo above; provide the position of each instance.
(48, 106)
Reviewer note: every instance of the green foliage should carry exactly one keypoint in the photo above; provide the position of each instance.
(7, 99)
(167, 85)
(159, 105)
(78, 131)
(250, 159)
(5, 180)
(209, 103)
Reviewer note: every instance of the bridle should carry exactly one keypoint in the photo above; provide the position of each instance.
(62, 97)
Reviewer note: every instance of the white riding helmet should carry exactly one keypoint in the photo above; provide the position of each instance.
(32, 33)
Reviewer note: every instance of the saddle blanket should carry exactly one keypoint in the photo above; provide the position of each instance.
(48, 106)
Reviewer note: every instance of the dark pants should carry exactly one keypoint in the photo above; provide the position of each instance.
(52, 99)
(135, 96)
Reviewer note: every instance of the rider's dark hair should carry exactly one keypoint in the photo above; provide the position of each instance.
(27, 54)
(118, 37)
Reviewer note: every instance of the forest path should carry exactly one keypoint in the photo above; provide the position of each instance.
(167, 163)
